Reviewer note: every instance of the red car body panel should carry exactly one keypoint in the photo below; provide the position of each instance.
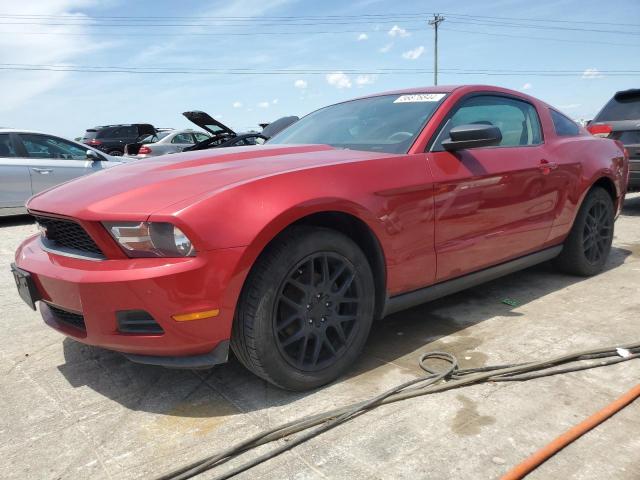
(435, 215)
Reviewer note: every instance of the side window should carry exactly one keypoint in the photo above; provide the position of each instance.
(201, 137)
(123, 132)
(564, 127)
(182, 138)
(517, 120)
(42, 146)
(6, 146)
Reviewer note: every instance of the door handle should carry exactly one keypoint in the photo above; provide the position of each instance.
(43, 171)
(546, 166)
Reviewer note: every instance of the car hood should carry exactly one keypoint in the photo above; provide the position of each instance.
(134, 191)
(208, 123)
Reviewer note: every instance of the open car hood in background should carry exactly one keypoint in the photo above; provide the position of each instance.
(208, 123)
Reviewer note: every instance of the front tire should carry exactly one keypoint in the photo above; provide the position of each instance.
(587, 247)
(306, 309)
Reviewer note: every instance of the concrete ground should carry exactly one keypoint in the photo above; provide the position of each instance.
(72, 411)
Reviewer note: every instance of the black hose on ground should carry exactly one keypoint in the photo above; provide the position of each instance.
(434, 381)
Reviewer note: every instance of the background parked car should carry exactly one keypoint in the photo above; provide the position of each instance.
(31, 162)
(223, 136)
(161, 143)
(619, 120)
(112, 139)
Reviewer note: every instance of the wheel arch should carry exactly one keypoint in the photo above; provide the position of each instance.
(350, 219)
(607, 184)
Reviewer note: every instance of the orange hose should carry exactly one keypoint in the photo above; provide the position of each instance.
(542, 455)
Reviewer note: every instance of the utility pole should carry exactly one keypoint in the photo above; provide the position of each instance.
(435, 21)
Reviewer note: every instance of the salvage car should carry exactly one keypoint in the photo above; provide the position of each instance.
(223, 136)
(162, 143)
(287, 253)
(32, 161)
(619, 120)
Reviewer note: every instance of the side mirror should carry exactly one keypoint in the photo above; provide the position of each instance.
(463, 137)
(93, 156)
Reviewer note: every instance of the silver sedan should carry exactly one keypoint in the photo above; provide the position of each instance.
(161, 143)
(31, 162)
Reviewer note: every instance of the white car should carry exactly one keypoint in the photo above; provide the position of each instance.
(32, 161)
(161, 143)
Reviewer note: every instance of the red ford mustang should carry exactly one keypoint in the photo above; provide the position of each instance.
(287, 252)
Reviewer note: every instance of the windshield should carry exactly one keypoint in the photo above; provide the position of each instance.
(388, 123)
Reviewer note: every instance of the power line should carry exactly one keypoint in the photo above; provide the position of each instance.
(189, 34)
(248, 71)
(490, 23)
(550, 20)
(371, 16)
(562, 40)
(124, 22)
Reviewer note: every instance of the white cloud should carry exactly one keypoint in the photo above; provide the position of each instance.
(339, 80)
(386, 48)
(363, 36)
(263, 104)
(237, 104)
(397, 31)
(362, 80)
(590, 73)
(413, 54)
(526, 86)
(301, 84)
(274, 101)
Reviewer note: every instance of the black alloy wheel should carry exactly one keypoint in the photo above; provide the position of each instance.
(586, 248)
(597, 232)
(306, 309)
(316, 312)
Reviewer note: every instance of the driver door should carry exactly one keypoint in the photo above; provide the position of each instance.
(53, 160)
(493, 204)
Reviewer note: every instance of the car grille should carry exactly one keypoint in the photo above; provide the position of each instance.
(68, 234)
(70, 318)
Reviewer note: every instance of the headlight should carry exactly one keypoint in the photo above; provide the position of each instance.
(151, 239)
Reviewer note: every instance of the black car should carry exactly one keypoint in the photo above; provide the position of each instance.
(111, 139)
(223, 136)
(620, 120)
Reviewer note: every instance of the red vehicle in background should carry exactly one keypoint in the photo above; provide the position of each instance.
(287, 252)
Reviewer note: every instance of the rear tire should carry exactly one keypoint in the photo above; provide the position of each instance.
(115, 153)
(587, 247)
(306, 309)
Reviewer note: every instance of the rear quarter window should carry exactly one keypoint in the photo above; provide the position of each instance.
(564, 126)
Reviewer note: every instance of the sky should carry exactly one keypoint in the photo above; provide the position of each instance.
(300, 56)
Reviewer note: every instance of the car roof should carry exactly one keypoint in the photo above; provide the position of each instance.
(20, 130)
(447, 89)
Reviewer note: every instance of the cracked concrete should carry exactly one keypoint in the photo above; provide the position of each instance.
(73, 411)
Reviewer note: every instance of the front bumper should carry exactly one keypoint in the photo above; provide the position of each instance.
(163, 287)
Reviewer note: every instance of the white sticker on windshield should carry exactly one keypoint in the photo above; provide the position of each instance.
(420, 97)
